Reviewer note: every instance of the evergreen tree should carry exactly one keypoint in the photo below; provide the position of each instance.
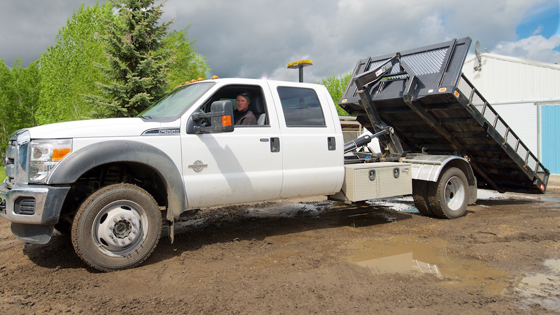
(137, 59)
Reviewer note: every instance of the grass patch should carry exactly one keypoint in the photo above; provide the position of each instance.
(2, 174)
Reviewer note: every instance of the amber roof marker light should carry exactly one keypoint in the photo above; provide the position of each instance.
(300, 64)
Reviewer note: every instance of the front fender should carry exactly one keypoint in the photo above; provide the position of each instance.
(75, 165)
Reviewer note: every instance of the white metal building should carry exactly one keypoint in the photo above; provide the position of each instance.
(527, 95)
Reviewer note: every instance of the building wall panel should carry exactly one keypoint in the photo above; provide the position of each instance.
(517, 88)
(551, 138)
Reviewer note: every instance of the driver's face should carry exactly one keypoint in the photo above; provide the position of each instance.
(242, 104)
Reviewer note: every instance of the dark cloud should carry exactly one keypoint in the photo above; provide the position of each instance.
(257, 38)
(28, 27)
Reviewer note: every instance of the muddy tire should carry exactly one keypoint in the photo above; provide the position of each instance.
(420, 197)
(117, 227)
(448, 197)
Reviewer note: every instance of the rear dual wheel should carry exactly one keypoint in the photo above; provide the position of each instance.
(420, 197)
(117, 227)
(447, 198)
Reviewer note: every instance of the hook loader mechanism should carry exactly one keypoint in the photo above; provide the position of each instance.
(425, 112)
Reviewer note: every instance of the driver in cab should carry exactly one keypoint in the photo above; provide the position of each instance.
(243, 115)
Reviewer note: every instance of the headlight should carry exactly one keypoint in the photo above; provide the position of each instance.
(44, 155)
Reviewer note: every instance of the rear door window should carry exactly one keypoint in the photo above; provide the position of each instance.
(301, 107)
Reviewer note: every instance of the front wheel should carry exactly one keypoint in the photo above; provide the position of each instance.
(117, 227)
(448, 197)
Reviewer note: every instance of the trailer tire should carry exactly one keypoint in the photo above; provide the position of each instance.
(117, 227)
(420, 197)
(448, 197)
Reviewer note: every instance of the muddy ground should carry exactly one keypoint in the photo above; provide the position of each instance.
(313, 257)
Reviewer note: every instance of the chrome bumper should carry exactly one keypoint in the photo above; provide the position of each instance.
(32, 204)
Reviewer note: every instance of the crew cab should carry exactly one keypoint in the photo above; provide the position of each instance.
(111, 182)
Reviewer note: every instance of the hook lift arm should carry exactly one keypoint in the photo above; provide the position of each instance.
(364, 82)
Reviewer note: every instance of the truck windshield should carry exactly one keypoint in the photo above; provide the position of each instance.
(177, 102)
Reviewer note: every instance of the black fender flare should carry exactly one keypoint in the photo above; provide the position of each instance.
(76, 164)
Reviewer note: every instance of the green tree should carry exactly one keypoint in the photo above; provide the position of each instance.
(5, 105)
(19, 95)
(185, 63)
(26, 93)
(137, 59)
(68, 67)
(89, 54)
(336, 86)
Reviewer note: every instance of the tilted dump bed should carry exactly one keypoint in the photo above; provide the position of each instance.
(434, 109)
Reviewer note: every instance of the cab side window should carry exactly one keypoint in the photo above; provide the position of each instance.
(257, 104)
(301, 107)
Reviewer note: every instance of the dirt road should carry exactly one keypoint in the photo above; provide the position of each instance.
(311, 258)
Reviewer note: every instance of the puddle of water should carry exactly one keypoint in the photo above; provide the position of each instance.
(550, 200)
(484, 194)
(401, 254)
(406, 203)
(365, 219)
(400, 204)
(284, 210)
(273, 210)
(542, 288)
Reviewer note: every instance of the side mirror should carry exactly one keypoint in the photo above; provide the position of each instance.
(221, 118)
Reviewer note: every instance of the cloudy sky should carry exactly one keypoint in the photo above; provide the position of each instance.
(258, 38)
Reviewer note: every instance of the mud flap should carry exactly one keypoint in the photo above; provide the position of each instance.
(35, 234)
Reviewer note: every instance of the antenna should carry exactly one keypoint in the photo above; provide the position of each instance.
(478, 63)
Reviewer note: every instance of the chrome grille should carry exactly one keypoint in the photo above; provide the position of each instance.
(16, 158)
(10, 162)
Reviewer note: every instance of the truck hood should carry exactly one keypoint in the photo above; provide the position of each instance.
(111, 127)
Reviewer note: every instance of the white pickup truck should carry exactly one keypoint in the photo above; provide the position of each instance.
(111, 184)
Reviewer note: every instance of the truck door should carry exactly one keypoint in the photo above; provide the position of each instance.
(312, 146)
(236, 167)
